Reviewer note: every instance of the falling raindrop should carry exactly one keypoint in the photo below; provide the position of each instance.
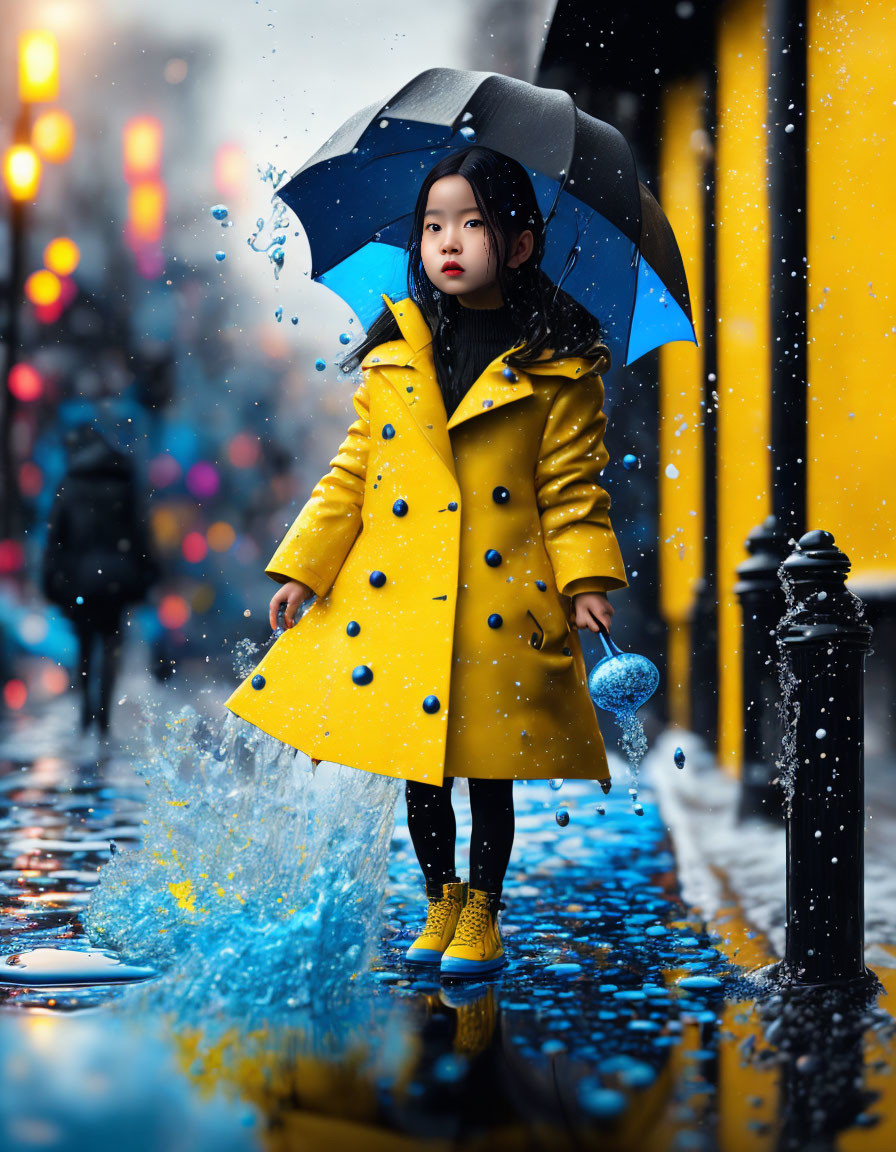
(320, 364)
(294, 319)
(279, 315)
(821, 733)
(562, 817)
(344, 338)
(630, 461)
(219, 256)
(601, 810)
(679, 758)
(219, 212)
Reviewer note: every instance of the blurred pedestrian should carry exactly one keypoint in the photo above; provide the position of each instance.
(98, 559)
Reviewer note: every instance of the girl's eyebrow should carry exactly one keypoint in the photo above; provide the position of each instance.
(439, 212)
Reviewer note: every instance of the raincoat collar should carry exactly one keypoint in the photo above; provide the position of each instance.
(490, 391)
(416, 337)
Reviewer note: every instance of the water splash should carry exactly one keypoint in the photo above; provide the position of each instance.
(260, 878)
(269, 236)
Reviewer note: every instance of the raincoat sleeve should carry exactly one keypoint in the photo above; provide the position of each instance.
(573, 507)
(321, 536)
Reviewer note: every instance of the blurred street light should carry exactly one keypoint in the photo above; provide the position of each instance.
(146, 213)
(62, 256)
(43, 287)
(38, 82)
(142, 152)
(53, 135)
(38, 67)
(21, 172)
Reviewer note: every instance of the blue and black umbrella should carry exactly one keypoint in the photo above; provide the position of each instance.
(608, 243)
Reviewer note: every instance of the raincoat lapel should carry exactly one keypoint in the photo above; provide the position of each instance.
(490, 391)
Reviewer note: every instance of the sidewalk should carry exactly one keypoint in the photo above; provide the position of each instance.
(717, 857)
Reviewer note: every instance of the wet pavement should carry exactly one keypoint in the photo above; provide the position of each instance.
(623, 1019)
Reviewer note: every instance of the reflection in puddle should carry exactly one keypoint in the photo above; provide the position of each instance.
(284, 1015)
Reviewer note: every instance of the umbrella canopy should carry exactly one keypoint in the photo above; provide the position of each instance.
(608, 243)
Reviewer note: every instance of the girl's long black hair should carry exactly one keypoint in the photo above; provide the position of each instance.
(546, 316)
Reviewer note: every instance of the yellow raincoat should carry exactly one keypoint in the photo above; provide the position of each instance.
(443, 554)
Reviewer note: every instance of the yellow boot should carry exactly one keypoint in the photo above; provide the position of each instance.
(477, 946)
(441, 920)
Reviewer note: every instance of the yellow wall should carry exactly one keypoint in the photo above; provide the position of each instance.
(852, 281)
(682, 157)
(742, 245)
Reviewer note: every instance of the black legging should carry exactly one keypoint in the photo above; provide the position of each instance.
(97, 685)
(433, 830)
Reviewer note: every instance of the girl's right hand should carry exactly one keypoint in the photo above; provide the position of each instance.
(293, 593)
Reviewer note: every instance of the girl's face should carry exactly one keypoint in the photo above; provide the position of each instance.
(454, 234)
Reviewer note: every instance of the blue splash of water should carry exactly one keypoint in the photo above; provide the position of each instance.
(260, 879)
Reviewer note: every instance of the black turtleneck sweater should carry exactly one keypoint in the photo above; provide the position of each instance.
(478, 337)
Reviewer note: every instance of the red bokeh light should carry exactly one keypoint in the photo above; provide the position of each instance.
(12, 556)
(15, 693)
(174, 611)
(31, 479)
(25, 382)
(243, 450)
(194, 547)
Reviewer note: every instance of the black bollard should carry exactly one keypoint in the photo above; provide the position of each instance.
(823, 642)
(762, 606)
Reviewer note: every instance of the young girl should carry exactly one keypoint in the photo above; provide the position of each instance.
(459, 534)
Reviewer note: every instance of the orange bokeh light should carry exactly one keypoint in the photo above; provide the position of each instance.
(25, 382)
(146, 213)
(55, 679)
(38, 66)
(21, 171)
(53, 135)
(142, 149)
(174, 611)
(230, 169)
(43, 287)
(62, 256)
(220, 536)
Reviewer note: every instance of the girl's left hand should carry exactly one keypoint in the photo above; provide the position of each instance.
(590, 607)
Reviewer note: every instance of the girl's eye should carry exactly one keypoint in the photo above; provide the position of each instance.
(473, 222)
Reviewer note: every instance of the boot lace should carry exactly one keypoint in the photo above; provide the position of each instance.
(473, 924)
(439, 911)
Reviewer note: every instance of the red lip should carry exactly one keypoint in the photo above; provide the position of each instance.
(451, 265)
